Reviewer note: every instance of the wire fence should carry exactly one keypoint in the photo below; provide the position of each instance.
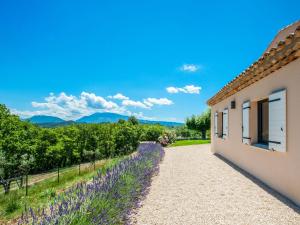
(59, 173)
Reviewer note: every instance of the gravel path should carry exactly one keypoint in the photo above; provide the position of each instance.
(196, 187)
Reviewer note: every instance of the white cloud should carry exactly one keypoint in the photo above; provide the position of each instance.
(119, 96)
(190, 68)
(94, 101)
(188, 89)
(191, 89)
(70, 107)
(147, 103)
(172, 90)
(157, 101)
(137, 104)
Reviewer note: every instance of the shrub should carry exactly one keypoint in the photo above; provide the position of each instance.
(127, 138)
(48, 193)
(208, 134)
(12, 205)
(152, 132)
(167, 138)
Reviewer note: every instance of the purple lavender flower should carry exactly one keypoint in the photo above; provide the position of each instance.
(108, 198)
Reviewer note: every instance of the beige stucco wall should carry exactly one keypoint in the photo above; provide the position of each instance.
(281, 171)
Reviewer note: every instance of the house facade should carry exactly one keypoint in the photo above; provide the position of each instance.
(256, 117)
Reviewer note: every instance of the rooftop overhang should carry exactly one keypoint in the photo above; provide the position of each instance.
(285, 52)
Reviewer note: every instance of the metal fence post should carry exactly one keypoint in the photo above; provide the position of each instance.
(58, 173)
(26, 184)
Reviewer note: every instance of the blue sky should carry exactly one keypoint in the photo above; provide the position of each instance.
(164, 58)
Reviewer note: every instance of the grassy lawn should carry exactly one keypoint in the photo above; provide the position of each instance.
(36, 178)
(45, 191)
(189, 142)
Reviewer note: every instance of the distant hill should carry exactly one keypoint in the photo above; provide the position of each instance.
(51, 121)
(163, 123)
(102, 118)
(114, 117)
(45, 119)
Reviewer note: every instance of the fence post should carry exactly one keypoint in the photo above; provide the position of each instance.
(79, 168)
(26, 184)
(94, 160)
(58, 173)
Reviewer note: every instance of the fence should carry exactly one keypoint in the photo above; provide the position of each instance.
(57, 174)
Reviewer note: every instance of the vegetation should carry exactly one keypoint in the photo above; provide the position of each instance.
(189, 142)
(44, 192)
(26, 148)
(168, 137)
(184, 133)
(200, 123)
(108, 198)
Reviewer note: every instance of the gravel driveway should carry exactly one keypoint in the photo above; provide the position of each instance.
(196, 187)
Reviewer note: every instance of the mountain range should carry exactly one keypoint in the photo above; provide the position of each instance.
(52, 121)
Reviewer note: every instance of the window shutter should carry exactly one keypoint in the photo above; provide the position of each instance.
(245, 123)
(216, 124)
(225, 123)
(277, 121)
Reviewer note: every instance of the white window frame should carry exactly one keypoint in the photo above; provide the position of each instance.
(225, 121)
(216, 124)
(246, 139)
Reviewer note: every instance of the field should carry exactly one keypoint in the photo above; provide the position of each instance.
(189, 142)
(43, 188)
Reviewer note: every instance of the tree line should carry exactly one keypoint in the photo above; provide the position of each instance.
(200, 123)
(27, 148)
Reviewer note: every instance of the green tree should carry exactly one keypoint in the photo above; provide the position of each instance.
(152, 132)
(200, 123)
(133, 120)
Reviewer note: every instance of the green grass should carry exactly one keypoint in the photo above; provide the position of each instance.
(41, 194)
(189, 142)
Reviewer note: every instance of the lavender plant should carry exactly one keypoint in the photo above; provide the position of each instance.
(108, 198)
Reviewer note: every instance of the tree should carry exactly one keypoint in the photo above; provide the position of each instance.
(133, 120)
(200, 123)
(152, 132)
(126, 138)
(121, 121)
(26, 148)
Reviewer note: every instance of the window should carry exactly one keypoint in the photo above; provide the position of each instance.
(220, 124)
(263, 122)
(245, 123)
(216, 124)
(277, 121)
(225, 124)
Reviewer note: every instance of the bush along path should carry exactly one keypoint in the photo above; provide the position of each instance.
(108, 198)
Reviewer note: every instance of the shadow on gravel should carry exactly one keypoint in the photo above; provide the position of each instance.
(262, 185)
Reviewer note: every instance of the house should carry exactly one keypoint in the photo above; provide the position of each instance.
(256, 116)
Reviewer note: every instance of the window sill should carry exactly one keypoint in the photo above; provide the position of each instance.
(223, 138)
(262, 147)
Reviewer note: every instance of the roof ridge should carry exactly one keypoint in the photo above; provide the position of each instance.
(291, 24)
